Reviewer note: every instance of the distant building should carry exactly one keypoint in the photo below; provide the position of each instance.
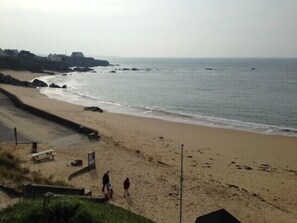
(77, 54)
(2, 53)
(12, 53)
(56, 57)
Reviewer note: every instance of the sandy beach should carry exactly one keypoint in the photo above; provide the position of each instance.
(251, 175)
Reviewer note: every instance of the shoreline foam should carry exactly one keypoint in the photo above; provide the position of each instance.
(147, 112)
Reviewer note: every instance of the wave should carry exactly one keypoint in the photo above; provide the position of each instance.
(166, 114)
(218, 122)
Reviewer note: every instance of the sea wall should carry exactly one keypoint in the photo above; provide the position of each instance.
(37, 190)
(51, 117)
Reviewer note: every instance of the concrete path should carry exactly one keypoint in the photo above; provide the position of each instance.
(33, 128)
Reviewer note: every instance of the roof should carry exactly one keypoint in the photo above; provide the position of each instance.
(77, 54)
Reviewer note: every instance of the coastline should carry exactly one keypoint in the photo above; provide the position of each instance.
(88, 97)
(147, 150)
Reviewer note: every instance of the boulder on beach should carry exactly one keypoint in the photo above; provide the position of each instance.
(64, 86)
(94, 109)
(39, 83)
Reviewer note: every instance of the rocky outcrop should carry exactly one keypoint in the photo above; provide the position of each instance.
(7, 79)
(25, 60)
(39, 83)
(84, 62)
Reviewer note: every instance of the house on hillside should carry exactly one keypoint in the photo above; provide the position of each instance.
(77, 54)
(56, 57)
(2, 53)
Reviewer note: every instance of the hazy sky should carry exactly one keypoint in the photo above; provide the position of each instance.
(152, 28)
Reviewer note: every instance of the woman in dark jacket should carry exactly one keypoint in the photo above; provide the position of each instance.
(126, 187)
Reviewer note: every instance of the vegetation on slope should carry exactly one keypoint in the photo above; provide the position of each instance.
(13, 174)
(67, 210)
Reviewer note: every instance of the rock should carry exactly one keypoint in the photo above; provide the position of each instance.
(113, 71)
(247, 167)
(53, 85)
(94, 109)
(208, 68)
(76, 163)
(64, 86)
(39, 83)
(82, 69)
(7, 79)
(135, 69)
(125, 69)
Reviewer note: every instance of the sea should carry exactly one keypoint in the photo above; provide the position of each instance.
(250, 94)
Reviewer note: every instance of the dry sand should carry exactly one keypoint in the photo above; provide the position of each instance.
(253, 176)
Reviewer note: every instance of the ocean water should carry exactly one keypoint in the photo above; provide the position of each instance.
(250, 94)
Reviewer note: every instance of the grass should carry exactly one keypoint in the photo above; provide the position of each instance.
(67, 210)
(12, 173)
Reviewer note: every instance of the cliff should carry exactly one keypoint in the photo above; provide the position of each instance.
(25, 60)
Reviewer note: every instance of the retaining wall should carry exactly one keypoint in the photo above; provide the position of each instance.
(37, 190)
(46, 115)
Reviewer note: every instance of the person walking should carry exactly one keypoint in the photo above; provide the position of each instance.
(105, 180)
(126, 187)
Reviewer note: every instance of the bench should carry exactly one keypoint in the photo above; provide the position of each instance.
(43, 155)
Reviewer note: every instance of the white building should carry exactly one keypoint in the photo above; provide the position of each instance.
(55, 57)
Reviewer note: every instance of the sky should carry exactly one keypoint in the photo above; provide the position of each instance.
(151, 28)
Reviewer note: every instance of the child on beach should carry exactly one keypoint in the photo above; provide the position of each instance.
(109, 190)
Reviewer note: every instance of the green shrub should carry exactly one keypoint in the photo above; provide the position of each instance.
(67, 210)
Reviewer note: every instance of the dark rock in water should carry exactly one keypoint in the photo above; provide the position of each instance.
(82, 69)
(94, 109)
(125, 69)
(253, 68)
(64, 86)
(113, 71)
(39, 83)
(64, 74)
(135, 69)
(208, 68)
(53, 85)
